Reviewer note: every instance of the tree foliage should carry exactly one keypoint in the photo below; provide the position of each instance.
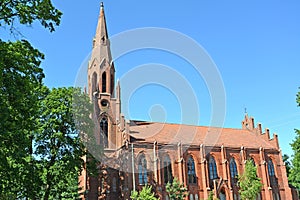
(211, 196)
(176, 190)
(250, 184)
(294, 177)
(287, 164)
(26, 12)
(20, 92)
(20, 83)
(58, 143)
(145, 194)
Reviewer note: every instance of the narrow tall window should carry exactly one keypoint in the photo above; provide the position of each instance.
(112, 81)
(191, 171)
(271, 168)
(114, 184)
(94, 83)
(213, 174)
(142, 169)
(233, 171)
(168, 176)
(104, 132)
(104, 82)
(271, 173)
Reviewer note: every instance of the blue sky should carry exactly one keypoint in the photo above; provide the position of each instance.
(254, 44)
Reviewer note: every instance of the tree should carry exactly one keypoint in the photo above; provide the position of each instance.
(58, 141)
(211, 196)
(20, 83)
(176, 190)
(250, 185)
(294, 177)
(26, 12)
(145, 194)
(287, 163)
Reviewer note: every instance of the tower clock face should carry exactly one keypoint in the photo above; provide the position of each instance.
(104, 103)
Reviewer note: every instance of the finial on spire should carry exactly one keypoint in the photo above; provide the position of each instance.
(101, 4)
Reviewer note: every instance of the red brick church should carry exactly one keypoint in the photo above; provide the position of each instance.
(138, 153)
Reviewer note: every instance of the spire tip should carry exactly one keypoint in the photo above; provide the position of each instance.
(101, 4)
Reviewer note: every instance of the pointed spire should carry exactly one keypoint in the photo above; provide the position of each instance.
(118, 90)
(101, 43)
(101, 36)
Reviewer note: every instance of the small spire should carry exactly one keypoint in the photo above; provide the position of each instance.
(101, 4)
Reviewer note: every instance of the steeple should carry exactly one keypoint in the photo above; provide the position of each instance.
(101, 44)
(101, 68)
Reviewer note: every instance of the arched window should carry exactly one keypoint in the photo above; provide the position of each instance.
(233, 168)
(271, 168)
(104, 82)
(191, 197)
(168, 176)
(233, 171)
(196, 197)
(213, 174)
(271, 172)
(94, 84)
(112, 81)
(142, 169)
(191, 171)
(114, 184)
(104, 132)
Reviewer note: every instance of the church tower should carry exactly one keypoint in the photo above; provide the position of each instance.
(101, 89)
(110, 130)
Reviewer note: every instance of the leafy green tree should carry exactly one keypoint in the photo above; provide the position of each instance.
(294, 177)
(250, 184)
(145, 194)
(211, 196)
(26, 12)
(58, 141)
(20, 83)
(287, 163)
(176, 190)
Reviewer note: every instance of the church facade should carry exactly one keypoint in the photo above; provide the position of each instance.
(139, 153)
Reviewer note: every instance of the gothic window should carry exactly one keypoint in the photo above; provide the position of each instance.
(196, 197)
(276, 196)
(104, 132)
(271, 168)
(271, 173)
(233, 171)
(212, 170)
(191, 171)
(104, 82)
(213, 174)
(114, 184)
(167, 170)
(112, 84)
(191, 197)
(94, 84)
(142, 169)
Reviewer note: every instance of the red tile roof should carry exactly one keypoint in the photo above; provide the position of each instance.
(165, 133)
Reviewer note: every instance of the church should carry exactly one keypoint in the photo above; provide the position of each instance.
(138, 153)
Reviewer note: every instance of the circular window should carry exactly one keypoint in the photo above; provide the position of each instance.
(104, 103)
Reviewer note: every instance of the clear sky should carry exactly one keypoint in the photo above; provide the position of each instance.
(254, 44)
